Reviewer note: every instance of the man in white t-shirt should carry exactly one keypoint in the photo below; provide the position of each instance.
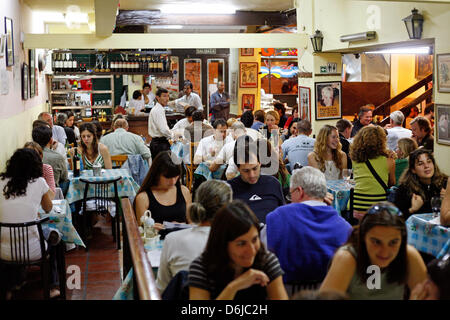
(395, 129)
(190, 98)
(210, 146)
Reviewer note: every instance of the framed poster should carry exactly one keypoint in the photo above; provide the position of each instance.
(328, 100)
(304, 99)
(37, 81)
(248, 75)
(32, 61)
(441, 121)
(443, 71)
(25, 82)
(246, 51)
(9, 42)
(248, 101)
(424, 65)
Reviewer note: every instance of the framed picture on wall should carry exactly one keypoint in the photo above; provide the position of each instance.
(25, 82)
(441, 122)
(304, 105)
(247, 51)
(36, 82)
(248, 101)
(9, 49)
(328, 100)
(424, 65)
(32, 61)
(248, 74)
(443, 72)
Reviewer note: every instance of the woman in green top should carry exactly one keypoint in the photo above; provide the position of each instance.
(404, 147)
(376, 262)
(92, 152)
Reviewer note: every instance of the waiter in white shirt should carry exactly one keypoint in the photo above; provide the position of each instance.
(157, 124)
(190, 98)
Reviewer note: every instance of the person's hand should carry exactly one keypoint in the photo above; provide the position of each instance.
(158, 226)
(392, 154)
(388, 126)
(54, 145)
(424, 291)
(285, 131)
(416, 202)
(328, 199)
(443, 191)
(249, 278)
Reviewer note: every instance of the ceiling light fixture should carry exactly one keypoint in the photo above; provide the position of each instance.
(169, 26)
(197, 9)
(410, 50)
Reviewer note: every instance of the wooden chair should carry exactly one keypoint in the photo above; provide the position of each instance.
(118, 160)
(20, 252)
(190, 167)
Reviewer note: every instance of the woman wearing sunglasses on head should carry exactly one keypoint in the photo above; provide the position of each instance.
(379, 242)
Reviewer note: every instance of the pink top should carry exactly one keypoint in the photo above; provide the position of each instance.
(48, 176)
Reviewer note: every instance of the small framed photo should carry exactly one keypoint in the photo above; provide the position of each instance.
(248, 101)
(248, 75)
(9, 42)
(443, 72)
(304, 103)
(441, 122)
(424, 65)
(25, 82)
(2, 44)
(328, 100)
(247, 52)
(32, 61)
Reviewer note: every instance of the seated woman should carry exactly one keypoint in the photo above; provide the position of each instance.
(369, 149)
(181, 247)
(47, 170)
(419, 184)
(445, 207)
(61, 119)
(291, 131)
(90, 151)
(23, 191)
(404, 147)
(235, 265)
(378, 242)
(327, 155)
(272, 164)
(70, 123)
(162, 193)
(272, 120)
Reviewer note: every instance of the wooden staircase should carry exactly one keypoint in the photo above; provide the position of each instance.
(384, 109)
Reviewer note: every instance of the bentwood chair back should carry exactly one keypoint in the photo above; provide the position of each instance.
(18, 235)
(190, 167)
(118, 160)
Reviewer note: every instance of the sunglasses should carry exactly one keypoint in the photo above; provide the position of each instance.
(389, 208)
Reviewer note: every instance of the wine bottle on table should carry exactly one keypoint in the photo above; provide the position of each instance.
(76, 164)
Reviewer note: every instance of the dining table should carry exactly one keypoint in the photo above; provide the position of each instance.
(426, 234)
(60, 218)
(340, 189)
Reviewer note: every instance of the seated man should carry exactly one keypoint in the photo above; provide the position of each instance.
(422, 133)
(344, 127)
(297, 149)
(262, 193)
(43, 136)
(58, 132)
(314, 229)
(395, 129)
(123, 142)
(209, 147)
(260, 118)
(198, 129)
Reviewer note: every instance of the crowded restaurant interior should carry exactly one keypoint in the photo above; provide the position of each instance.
(232, 150)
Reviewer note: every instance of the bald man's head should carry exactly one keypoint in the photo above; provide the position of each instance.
(220, 86)
(121, 123)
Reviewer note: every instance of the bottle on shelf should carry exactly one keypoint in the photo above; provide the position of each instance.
(112, 65)
(74, 64)
(160, 64)
(107, 65)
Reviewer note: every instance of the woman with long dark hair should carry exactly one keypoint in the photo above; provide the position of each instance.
(92, 152)
(162, 193)
(235, 264)
(377, 249)
(419, 183)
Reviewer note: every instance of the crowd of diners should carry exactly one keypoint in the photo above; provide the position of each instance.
(267, 225)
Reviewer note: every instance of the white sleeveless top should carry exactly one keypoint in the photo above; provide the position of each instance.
(331, 171)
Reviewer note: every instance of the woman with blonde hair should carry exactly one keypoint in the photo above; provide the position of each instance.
(404, 147)
(327, 155)
(373, 169)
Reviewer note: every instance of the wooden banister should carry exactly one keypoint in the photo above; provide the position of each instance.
(385, 108)
(143, 274)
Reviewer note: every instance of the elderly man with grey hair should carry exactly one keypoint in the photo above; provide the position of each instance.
(395, 129)
(305, 233)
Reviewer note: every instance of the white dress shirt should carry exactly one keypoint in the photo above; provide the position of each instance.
(192, 100)
(138, 105)
(206, 145)
(59, 134)
(157, 123)
(394, 134)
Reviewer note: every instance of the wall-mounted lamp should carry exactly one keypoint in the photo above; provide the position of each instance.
(317, 41)
(414, 24)
(362, 36)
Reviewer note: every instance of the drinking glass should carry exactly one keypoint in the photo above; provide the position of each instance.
(436, 206)
(346, 175)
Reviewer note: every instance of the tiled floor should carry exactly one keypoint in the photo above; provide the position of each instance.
(99, 269)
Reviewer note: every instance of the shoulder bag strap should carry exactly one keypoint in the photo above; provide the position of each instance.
(376, 176)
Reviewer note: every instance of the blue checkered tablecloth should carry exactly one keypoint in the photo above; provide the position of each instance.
(341, 193)
(61, 219)
(203, 170)
(424, 236)
(126, 186)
